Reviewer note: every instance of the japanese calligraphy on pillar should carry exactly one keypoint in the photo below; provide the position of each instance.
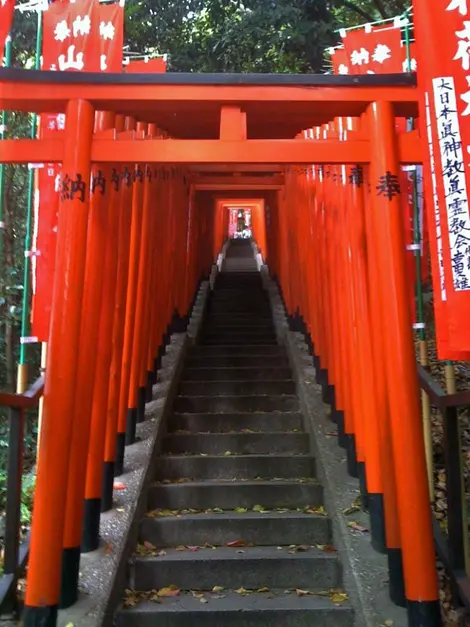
(7, 8)
(444, 82)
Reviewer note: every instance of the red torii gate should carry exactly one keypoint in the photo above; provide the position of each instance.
(213, 124)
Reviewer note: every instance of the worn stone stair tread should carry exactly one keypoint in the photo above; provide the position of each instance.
(208, 422)
(247, 349)
(234, 466)
(230, 374)
(268, 529)
(230, 404)
(237, 443)
(275, 608)
(248, 567)
(229, 495)
(254, 387)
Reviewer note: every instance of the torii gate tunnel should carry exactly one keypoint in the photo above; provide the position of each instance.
(216, 138)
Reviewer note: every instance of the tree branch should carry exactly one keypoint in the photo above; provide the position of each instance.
(347, 4)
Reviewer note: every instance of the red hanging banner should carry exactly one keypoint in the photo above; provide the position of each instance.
(233, 221)
(82, 36)
(444, 82)
(111, 34)
(378, 51)
(7, 8)
(340, 61)
(144, 66)
(70, 43)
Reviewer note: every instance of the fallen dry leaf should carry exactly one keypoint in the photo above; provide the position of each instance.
(357, 527)
(217, 589)
(339, 597)
(236, 543)
(170, 591)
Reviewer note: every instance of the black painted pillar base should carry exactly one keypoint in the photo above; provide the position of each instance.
(323, 377)
(131, 426)
(334, 412)
(361, 471)
(331, 395)
(107, 488)
(69, 579)
(120, 450)
(377, 522)
(44, 616)
(424, 614)
(396, 581)
(141, 398)
(149, 388)
(342, 438)
(91, 525)
(351, 456)
(316, 364)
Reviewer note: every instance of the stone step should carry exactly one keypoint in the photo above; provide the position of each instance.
(226, 610)
(237, 443)
(236, 388)
(237, 374)
(234, 466)
(241, 318)
(230, 330)
(222, 423)
(248, 351)
(209, 336)
(241, 325)
(238, 361)
(249, 567)
(239, 307)
(216, 340)
(259, 529)
(231, 404)
(230, 494)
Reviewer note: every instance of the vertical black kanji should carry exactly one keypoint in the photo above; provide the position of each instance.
(389, 186)
(73, 188)
(356, 176)
(98, 182)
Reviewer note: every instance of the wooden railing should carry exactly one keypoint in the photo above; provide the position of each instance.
(452, 550)
(16, 548)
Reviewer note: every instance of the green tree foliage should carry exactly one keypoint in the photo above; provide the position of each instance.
(247, 36)
(353, 12)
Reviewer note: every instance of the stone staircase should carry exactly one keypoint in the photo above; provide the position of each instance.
(236, 534)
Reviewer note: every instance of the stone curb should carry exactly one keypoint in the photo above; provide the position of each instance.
(364, 570)
(103, 573)
(197, 315)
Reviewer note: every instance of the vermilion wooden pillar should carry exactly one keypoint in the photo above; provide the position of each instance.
(137, 390)
(99, 415)
(400, 363)
(129, 414)
(122, 217)
(97, 242)
(44, 570)
(122, 276)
